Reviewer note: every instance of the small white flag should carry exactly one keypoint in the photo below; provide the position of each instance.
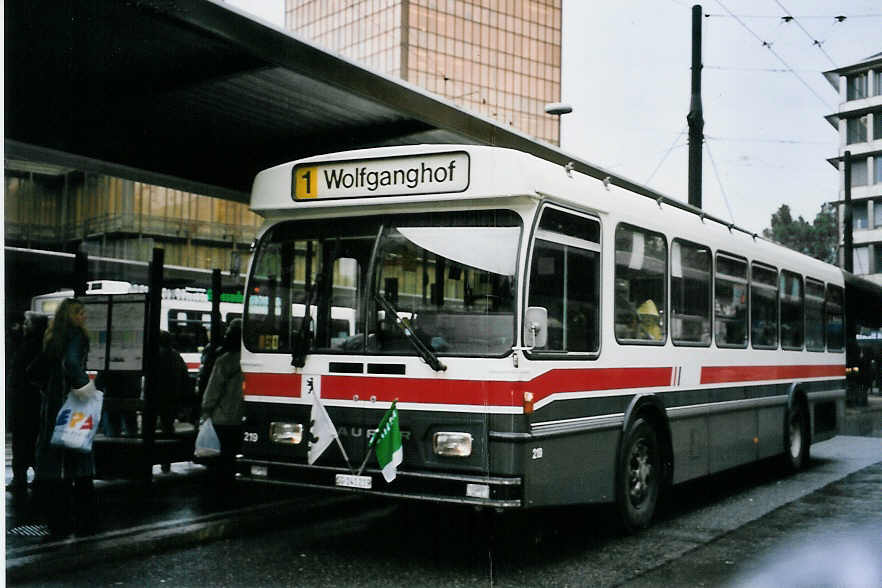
(321, 430)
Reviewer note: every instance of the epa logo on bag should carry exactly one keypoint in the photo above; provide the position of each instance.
(77, 421)
(73, 419)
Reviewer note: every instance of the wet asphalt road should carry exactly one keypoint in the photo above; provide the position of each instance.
(750, 527)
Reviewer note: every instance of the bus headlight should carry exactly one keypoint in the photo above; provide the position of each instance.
(286, 433)
(452, 444)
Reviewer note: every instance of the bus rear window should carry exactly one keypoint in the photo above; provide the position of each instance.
(833, 319)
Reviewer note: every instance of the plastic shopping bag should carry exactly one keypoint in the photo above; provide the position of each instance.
(207, 443)
(78, 419)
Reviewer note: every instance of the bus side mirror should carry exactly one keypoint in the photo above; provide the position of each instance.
(536, 327)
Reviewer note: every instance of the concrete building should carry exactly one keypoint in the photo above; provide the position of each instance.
(859, 122)
(497, 58)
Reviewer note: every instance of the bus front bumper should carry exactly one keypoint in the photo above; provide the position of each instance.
(489, 491)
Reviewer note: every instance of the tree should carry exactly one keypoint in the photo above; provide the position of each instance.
(818, 239)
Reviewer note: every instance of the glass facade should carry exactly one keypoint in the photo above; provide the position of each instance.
(856, 86)
(497, 58)
(856, 130)
(126, 219)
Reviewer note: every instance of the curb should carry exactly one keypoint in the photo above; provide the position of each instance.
(48, 558)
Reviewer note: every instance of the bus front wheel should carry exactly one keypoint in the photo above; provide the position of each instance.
(638, 476)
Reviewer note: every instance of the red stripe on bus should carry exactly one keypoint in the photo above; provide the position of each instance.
(474, 392)
(753, 373)
(272, 384)
(193, 365)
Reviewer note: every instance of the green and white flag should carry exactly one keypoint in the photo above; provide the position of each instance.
(387, 440)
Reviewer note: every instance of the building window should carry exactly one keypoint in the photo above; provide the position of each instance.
(877, 214)
(856, 130)
(877, 258)
(877, 123)
(877, 86)
(878, 174)
(861, 260)
(858, 172)
(859, 215)
(856, 86)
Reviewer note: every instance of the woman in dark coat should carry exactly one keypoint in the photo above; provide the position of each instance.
(223, 399)
(64, 477)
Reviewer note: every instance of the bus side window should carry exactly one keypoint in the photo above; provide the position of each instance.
(690, 293)
(763, 307)
(640, 285)
(565, 280)
(814, 315)
(730, 302)
(792, 301)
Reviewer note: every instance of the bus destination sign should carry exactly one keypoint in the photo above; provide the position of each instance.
(391, 176)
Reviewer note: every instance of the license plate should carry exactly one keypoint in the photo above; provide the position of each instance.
(349, 481)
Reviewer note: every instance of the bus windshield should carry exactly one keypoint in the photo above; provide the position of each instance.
(451, 275)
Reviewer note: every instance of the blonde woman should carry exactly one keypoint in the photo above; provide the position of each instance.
(64, 477)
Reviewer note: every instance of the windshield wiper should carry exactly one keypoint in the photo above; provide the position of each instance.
(404, 326)
(304, 335)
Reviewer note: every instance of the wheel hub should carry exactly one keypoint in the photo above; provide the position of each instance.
(639, 472)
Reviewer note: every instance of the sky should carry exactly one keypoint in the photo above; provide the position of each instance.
(626, 72)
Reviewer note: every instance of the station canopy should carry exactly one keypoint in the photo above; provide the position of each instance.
(197, 96)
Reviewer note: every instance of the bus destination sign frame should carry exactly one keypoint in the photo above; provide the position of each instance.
(405, 175)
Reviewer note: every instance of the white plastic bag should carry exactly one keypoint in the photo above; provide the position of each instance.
(207, 443)
(78, 419)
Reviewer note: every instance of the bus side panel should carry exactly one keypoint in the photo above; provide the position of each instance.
(732, 435)
(771, 430)
(570, 469)
(689, 437)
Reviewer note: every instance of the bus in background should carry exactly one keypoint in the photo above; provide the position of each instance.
(185, 313)
(559, 339)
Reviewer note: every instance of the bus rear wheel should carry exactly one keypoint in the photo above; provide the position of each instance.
(638, 476)
(796, 440)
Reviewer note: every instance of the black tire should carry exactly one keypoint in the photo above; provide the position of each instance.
(638, 476)
(796, 437)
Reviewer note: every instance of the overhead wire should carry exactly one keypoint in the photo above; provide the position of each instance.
(719, 181)
(768, 46)
(840, 17)
(815, 42)
(766, 69)
(666, 154)
(761, 140)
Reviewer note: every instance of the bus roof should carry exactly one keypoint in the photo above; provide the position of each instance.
(382, 177)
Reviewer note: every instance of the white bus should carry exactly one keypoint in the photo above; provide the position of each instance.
(570, 341)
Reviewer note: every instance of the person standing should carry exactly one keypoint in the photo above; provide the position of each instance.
(24, 401)
(222, 402)
(64, 478)
(174, 384)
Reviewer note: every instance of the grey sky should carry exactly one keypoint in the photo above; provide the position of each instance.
(626, 71)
